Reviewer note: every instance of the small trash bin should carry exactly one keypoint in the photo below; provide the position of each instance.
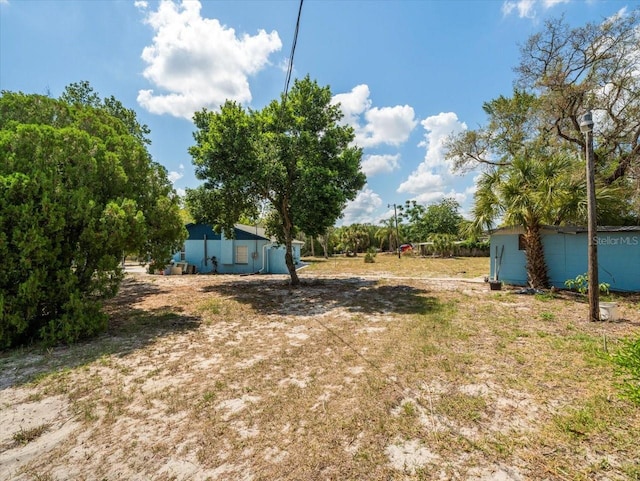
(608, 311)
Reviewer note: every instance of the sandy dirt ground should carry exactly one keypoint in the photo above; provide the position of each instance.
(243, 378)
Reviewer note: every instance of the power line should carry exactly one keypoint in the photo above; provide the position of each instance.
(293, 51)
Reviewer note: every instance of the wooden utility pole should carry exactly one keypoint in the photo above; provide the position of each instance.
(586, 127)
(395, 216)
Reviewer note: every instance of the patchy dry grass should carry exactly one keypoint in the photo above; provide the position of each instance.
(361, 374)
(389, 265)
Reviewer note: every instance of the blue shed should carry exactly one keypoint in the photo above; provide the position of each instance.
(565, 250)
(249, 252)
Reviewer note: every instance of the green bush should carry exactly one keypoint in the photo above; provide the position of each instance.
(78, 190)
(443, 244)
(581, 284)
(475, 244)
(369, 257)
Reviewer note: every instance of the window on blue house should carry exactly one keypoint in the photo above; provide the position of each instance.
(242, 254)
(522, 243)
(183, 253)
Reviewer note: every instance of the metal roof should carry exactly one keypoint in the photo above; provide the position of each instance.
(241, 232)
(567, 229)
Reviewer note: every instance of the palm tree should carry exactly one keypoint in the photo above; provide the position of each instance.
(355, 238)
(443, 244)
(326, 239)
(387, 232)
(530, 192)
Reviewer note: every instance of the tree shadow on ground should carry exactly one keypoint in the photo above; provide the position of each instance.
(319, 296)
(129, 329)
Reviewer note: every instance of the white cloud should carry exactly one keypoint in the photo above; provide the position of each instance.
(527, 8)
(422, 180)
(375, 126)
(362, 209)
(141, 4)
(438, 128)
(553, 3)
(433, 179)
(283, 65)
(434, 171)
(379, 164)
(436, 196)
(174, 176)
(181, 192)
(524, 8)
(386, 125)
(198, 62)
(618, 15)
(507, 8)
(471, 190)
(354, 103)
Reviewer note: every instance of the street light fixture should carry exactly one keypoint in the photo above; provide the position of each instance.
(586, 127)
(395, 216)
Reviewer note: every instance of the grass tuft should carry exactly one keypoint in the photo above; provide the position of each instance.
(25, 436)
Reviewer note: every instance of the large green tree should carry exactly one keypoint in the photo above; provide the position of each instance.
(592, 67)
(437, 218)
(512, 127)
(294, 154)
(78, 189)
(530, 179)
(443, 217)
(410, 218)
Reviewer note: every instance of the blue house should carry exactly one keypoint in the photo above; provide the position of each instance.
(565, 250)
(250, 252)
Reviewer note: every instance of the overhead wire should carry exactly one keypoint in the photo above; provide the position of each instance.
(287, 80)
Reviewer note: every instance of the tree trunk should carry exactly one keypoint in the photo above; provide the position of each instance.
(288, 258)
(313, 247)
(534, 252)
(288, 244)
(324, 242)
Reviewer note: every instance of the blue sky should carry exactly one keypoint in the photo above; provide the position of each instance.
(407, 73)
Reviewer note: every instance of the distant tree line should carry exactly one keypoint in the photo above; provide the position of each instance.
(438, 226)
